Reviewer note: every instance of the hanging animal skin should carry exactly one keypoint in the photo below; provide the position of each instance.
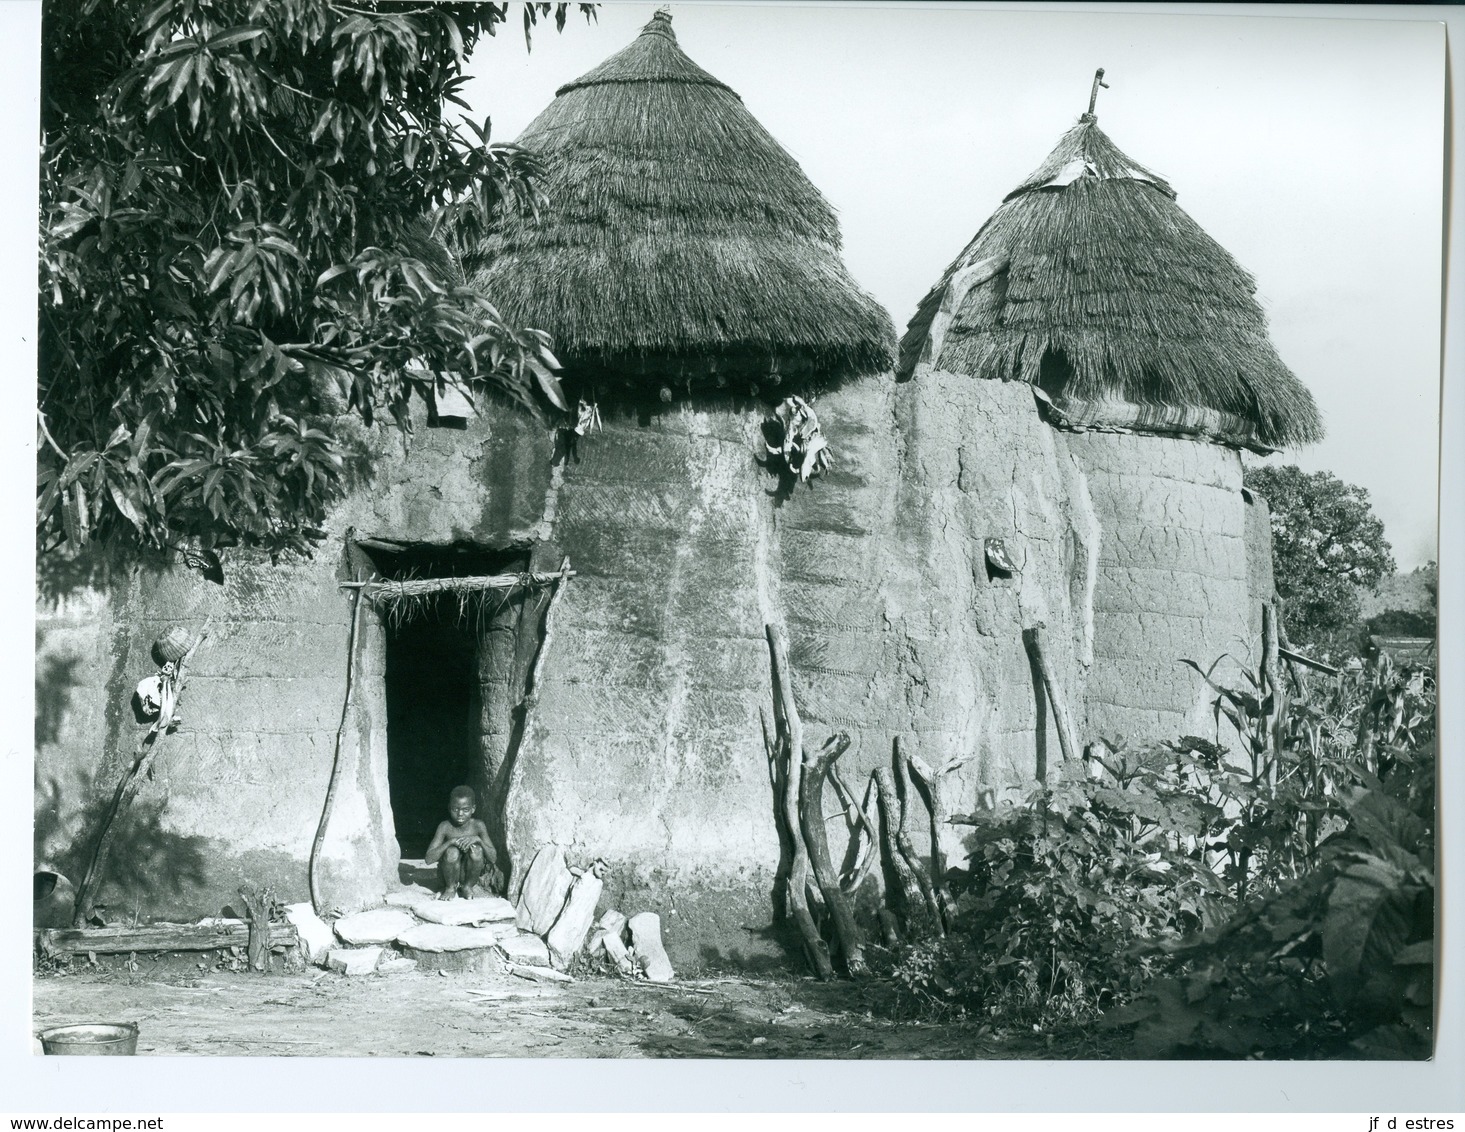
(804, 449)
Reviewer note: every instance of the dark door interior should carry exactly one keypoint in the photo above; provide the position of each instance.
(434, 684)
(432, 720)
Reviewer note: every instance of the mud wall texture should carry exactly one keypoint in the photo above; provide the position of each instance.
(1174, 580)
(977, 464)
(235, 792)
(644, 744)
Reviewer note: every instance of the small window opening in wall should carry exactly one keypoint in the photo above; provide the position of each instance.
(440, 669)
(450, 405)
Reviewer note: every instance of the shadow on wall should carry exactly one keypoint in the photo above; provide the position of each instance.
(146, 858)
(56, 678)
(60, 575)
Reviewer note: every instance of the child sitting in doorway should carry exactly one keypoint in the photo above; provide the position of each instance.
(460, 848)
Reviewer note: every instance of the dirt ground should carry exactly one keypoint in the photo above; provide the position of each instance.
(320, 1014)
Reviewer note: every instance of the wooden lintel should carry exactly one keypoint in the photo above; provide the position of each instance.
(412, 586)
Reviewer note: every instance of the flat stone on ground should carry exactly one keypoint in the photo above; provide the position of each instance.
(394, 964)
(411, 896)
(315, 934)
(479, 910)
(354, 960)
(380, 925)
(525, 948)
(449, 937)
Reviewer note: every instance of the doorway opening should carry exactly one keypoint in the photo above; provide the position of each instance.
(440, 675)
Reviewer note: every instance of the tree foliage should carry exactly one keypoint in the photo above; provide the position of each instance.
(246, 207)
(1327, 546)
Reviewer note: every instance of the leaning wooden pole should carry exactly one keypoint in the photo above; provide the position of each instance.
(1066, 743)
(529, 702)
(811, 805)
(917, 917)
(797, 892)
(907, 846)
(940, 815)
(870, 865)
(312, 868)
(1272, 682)
(127, 789)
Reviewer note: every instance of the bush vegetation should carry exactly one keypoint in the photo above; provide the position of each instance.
(1189, 900)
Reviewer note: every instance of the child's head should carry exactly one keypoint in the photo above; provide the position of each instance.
(461, 804)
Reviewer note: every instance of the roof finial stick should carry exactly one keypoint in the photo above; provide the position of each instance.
(1094, 93)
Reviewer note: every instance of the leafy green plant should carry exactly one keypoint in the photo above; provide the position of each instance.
(1339, 961)
(238, 200)
(1278, 902)
(1327, 547)
(1334, 954)
(1061, 885)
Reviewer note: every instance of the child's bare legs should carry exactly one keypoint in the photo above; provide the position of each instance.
(472, 863)
(450, 870)
(459, 870)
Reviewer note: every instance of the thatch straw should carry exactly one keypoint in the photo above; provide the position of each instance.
(403, 599)
(680, 240)
(1091, 283)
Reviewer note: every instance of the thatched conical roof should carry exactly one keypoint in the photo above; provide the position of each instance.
(680, 239)
(1091, 283)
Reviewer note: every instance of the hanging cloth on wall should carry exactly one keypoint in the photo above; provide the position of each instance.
(804, 449)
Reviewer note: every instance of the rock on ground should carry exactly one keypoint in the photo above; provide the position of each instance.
(354, 960)
(411, 897)
(480, 910)
(393, 964)
(316, 937)
(380, 925)
(451, 937)
(646, 939)
(526, 949)
(546, 885)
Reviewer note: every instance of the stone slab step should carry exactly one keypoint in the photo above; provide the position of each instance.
(479, 910)
(380, 925)
(472, 961)
(450, 937)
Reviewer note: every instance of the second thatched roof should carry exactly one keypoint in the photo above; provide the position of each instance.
(1092, 284)
(681, 242)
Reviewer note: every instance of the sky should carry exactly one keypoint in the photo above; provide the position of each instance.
(1310, 148)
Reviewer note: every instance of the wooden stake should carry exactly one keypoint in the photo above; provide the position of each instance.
(811, 804)
(530, 700)
(907, 846)
(868, 862)
(1066, 742)
(257, 910)
(317, 901)
(940, 817)
(917, 918)
(796, 895)
(1271, 681)
(128, 787)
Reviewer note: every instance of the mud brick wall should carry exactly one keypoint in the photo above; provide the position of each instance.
(978, 463)
(81, 653)
(646, 747)
(1174, 580)
(833, 555)
(235, 792)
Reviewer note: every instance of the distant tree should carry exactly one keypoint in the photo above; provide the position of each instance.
(1327, 546)
(236, 248)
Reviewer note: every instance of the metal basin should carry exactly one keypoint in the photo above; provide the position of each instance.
(91, 1039)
